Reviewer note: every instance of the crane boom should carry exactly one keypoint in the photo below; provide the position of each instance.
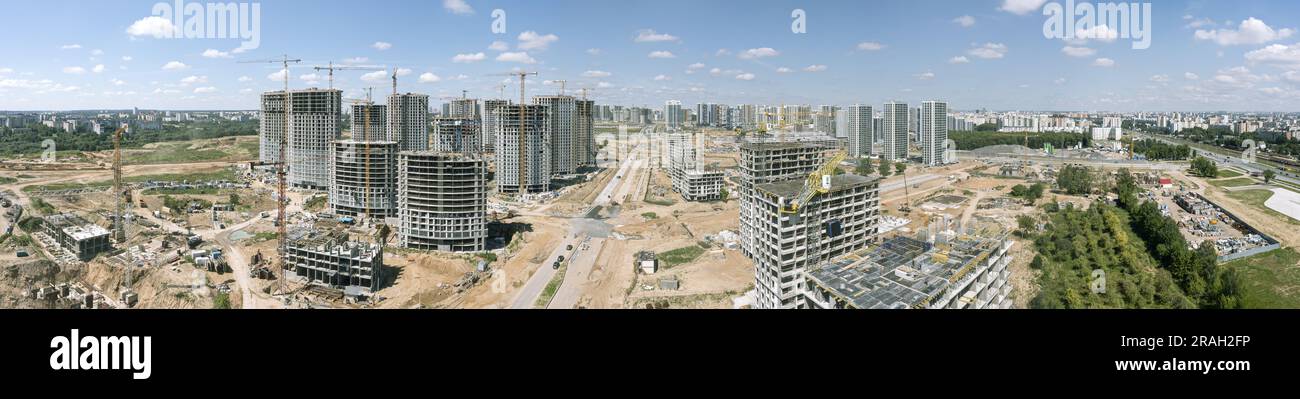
(282, 170)
(818, 183)
(331, 68)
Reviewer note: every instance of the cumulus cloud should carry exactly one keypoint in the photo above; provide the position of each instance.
(174, 66)
(214, 53)
(521, 57)
(499, 46)
(375, 76)
(593, 51)
(961, 59)
(1078, 51)
(745, 76)
(662, 54)
(459, 7)
(1021, 7)
(650, 36)
(202, 90)
(245, 79)
(784, 70)
(381, 46)
(1160, 78)
(74, 70)
(99, 68)
(814, 68)
(988, 51)
(1276, 54)
(762, 52)
(70, 47)
(157, 27)
(531, 40)
(925, 76)
(194, 79)
(596, 74)
(1190, 76)
(429, 77)
(870, 46)
(1103, 62)
(1250, 31)
(1100, 33)
(663, 77)
(468, 58)
(965, 21)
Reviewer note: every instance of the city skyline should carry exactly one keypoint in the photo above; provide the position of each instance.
(1203, 56)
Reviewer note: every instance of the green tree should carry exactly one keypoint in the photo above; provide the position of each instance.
(1268, 175)
(885, 167)
(864, 167)
(1204, 167)
(1075, 179)
(900, 167)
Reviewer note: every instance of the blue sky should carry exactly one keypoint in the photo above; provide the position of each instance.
(1204, 55)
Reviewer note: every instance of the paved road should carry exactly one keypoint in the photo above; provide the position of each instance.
(1228, 160)
(527, 296)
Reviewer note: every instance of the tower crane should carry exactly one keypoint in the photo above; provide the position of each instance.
(331, 68)
(523, 122)
(562, 82)
(818, 182)
(282, 170)
(119, 224)
(365, 133)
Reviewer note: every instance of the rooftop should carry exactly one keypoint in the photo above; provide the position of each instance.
(792, 188)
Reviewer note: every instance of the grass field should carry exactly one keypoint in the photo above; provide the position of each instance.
(680, 256)
(1271, 280)
(172, 153)
(1225, 173)
(1256, 198)
(1238, 182)
(224, 174)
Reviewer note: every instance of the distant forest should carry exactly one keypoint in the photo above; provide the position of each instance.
(26, 142)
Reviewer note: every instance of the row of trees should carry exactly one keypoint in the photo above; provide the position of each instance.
(1030, 194)
(972, 140)
(1204, 167)
(28, 141)
(1157, 150)
(885, 167)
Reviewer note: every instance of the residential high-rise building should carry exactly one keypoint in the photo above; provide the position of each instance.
(442, 201)
(824, 120)
(934, 132)
(457, 135)
(895, 130)
(369, 122)
(461, 108)
(859, 129)
(363, 179)
(561, 111)
(490, 125)
(408, 121)
(529, 157)
(673, 114)
(763, 162)
(312, 126)
(584, 133)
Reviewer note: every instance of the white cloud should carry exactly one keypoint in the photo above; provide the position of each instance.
(695, 66)
(604, 85)
(310, 78)
(155, 26)
(1100, 33)
(74, 70)
(530, 40)
(214, 53)
(715, 71)
(1160, 78)
(1021, 7)
(870, 46)
(1198, 23)
(520, 57)
(814, 68)
(1251, 31)
(97, 52)
(468, 58)
(1272, 90)
(925, 76)
(965, 21)
(784, 70)
(722, 52)
(403, 71)
(381, 46)
(127, 58)
(375, 76)
(761, 52)
(596, 74)
(593, 51)
(174, 66)
(194, 79)
(245, 79)
(429, 77)
(1059, 81)
(98, 68)
(202, 90)
(1190, 76)
(1276, 54)
(745, 76)
(989, 51)
(1078, 51)
(662, 54)
(278, 76)
(70, 47)
(1103, 62)
(498, 45)
(6, 70)
(961, 59)
(650, 36)
(663, 77)
(245, 91)
(458, 7)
